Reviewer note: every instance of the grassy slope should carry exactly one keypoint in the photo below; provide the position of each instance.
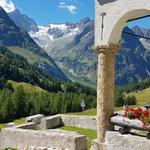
(142, 96)
(28, 87)
(31, 57)
(91, 112)
(17, 122)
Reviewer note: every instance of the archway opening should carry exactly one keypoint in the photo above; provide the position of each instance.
(123, 21)
(134, 53)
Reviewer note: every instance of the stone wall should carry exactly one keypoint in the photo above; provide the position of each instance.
(79, 121)
(75, 121)
(12, 137)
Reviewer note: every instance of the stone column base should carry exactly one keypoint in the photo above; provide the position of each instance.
(98, 146)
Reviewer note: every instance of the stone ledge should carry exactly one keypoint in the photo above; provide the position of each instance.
(11, 137)
(30, 125)
(116, 141)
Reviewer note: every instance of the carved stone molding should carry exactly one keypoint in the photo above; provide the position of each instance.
(109, 48)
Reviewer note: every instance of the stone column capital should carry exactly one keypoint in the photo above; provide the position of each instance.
(109, 48)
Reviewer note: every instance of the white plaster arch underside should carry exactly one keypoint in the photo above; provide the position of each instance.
(117, 14)
(115, 35)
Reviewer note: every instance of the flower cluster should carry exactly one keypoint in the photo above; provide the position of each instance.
(136, 113)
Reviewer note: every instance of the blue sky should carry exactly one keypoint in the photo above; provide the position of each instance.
(59, 11)
(56, 11)
(144, 23)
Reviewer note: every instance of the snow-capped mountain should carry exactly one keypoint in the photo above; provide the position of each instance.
(66, 34)
(7, 5)
(71, 46)
(51, 32)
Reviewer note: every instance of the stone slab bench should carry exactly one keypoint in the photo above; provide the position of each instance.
(127, 124)
(11, 137)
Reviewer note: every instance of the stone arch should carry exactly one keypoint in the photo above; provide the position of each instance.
(111, 16)
(115, 35)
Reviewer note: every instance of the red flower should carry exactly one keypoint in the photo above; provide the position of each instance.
(131, 109)
(142, 119)
(145, 113)
(139, 109)
(136, 113)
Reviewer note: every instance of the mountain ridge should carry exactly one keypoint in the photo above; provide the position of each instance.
(76, 54)
(12, 35)
(23, 21)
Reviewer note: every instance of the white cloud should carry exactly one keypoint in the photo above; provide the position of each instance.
(71, 8)
(7, 5)
(62, 3)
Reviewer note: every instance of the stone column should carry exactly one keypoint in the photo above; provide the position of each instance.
(105, 90)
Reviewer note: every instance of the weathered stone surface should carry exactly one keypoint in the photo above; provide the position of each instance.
(35, 118)
(40, 148)
(116, 141)
(79, 121)
(50, 138)
(105, 88)
(98, 146)
(128, 123)
(30, 125)
(51, 122)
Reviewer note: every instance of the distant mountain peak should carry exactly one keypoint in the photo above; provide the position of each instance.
(7, 5)
(136, 29)
(85, 20)
(23, 21)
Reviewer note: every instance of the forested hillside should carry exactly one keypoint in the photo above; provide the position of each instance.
(135, 86)
(15, 67)
(59, 97)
